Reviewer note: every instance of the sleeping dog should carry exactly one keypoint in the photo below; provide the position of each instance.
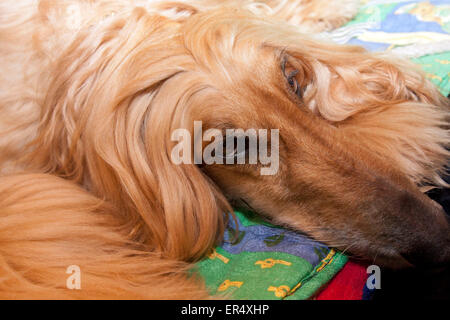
(92, 91)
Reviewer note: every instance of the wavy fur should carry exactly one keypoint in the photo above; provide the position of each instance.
(91, 91)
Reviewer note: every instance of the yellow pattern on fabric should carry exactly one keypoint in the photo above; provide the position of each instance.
(325, 261)
(214, 255)
(227, 283)
(442, 61)
(433, 76)
(280, 291)
(269, 263)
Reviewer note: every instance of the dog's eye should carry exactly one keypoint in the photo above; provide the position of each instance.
(293, 83)
(291, 77)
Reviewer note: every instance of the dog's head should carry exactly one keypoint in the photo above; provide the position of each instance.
(358, 133)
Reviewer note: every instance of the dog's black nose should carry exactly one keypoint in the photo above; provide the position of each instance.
(430, 247)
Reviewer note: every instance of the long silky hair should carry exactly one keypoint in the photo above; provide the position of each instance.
(85, 153)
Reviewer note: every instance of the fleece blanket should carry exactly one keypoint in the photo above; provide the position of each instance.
(264, 261)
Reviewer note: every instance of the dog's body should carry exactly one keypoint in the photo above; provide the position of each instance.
(91, 91)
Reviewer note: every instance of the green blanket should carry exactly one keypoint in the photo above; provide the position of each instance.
(263, 261)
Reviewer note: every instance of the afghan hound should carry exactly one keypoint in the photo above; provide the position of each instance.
(91, 91)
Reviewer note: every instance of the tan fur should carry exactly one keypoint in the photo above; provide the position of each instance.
(91, 91)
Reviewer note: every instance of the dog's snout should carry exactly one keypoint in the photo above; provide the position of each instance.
(429, 241)
(414, 226)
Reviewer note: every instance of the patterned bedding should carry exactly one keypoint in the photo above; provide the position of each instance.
(419, 30)
(268, 262)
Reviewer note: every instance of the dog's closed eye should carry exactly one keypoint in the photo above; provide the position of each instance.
(238, 148)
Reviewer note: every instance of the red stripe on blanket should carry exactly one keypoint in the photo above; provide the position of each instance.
(348, 284)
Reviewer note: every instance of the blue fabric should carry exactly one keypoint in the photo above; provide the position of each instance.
(396, 22)
(262, 238)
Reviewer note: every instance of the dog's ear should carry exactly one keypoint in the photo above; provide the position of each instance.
(193, 208)
(146, 98)
(173, 206)
(115, 96)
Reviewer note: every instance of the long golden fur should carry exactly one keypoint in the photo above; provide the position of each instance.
(91, 91)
